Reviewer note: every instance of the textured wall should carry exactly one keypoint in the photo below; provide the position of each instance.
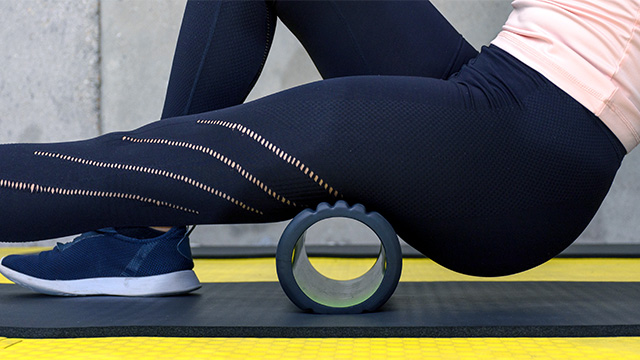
(72, 69)
(49, 70)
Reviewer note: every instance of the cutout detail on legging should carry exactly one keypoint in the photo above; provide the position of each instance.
(225, 160)
(148, 170)
(36, 188)
(275, 149)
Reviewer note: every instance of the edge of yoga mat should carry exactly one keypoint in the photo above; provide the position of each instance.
(360, 251)
(306, 333)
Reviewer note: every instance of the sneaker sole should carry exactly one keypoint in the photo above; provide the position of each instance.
(179, 282)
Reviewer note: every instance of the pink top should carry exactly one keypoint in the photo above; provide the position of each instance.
(588, 48)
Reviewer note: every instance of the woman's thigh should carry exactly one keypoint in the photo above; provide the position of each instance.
(347, 38)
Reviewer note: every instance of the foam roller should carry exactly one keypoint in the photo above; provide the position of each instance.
(311, 291)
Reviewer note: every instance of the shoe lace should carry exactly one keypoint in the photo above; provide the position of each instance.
(63, 246)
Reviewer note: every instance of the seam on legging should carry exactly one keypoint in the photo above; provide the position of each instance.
(225, 160)
(37, 188)
(351, 36)
(276, 150)
(265, 53)
(267, 44)
(202, 61)
(152, 171)
(454, 62)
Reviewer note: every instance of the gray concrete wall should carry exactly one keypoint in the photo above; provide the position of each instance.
(73, 69)
(49, 70)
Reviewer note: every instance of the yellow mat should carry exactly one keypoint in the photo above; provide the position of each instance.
(297, 349)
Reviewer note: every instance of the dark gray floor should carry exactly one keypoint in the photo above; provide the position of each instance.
(438, 309)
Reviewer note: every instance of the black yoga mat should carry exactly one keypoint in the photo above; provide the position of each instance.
(417, 309)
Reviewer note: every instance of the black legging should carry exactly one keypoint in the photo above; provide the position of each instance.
(223, 46)
(489, 172)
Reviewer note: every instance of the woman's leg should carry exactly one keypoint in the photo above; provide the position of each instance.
(346, 38)
(491, 172)
(221, 50)
(223, 45)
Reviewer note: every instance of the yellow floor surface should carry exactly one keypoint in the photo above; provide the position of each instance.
(141, 348)
(250, 270)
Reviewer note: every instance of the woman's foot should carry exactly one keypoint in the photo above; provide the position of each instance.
(106, 262)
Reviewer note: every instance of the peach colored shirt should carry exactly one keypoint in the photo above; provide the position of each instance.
(588, 48)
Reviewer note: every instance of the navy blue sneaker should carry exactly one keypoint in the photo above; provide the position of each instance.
(105, 262)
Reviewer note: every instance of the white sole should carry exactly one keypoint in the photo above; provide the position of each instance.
(179, 282)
